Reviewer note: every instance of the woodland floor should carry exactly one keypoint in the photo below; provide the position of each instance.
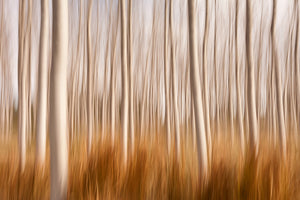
(152, 174)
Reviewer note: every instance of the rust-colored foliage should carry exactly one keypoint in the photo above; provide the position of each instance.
(152, 174)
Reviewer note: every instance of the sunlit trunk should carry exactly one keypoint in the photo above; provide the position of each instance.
(253, 131)
(167, 105)
(90, 116)
(124, 107)
(279, 96)
(42, 86)
(58, 103)
(174, 81)
(196, 92)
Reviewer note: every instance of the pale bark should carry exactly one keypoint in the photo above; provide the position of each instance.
(167, 105)
(196, 92)
(58, 102)
(21, 89)
(253, 131)
(205, 84)
(124, 108)
(279, 97)
(130, 74)
(90, 117)
(238, 82)
(174, 81)
(42, 86)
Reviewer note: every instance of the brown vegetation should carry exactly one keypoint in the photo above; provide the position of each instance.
(152, 174)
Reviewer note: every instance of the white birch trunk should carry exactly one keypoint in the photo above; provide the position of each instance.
(90, 115)
(58, 103)
(196, 92)
(42, 86)
(124, 108)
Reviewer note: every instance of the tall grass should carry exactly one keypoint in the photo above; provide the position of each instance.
(152, 174)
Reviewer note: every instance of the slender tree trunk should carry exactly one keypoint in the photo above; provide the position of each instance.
(58, 102)
(125, 102)
(131, 111)
(196, 92)
(253, 131)
(90, 115)
(279, 97)
(205, 84)
(42, 86)
(21, 89)
(167, 105)
(238, 89)
(174, 81)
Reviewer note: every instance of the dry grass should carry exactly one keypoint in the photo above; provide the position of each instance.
(152, 174)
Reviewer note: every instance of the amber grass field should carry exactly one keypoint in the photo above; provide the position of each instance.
(152, 174)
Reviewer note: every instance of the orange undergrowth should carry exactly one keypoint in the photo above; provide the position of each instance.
(151, 174)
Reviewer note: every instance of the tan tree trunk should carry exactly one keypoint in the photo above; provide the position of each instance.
(279, 96)
(124, 108)
(21, 89)
(205, 84)
(58, 102)
(253, 131)
(90, 115)
(196, 92)
(174, 81)
(42, 86)
(130, 74)
(238, 89)
(167, 104)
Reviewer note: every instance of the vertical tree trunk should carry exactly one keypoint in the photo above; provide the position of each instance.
(253, 132)
(174, 81)
(238, 94)
(21, 89)
(58, 102)
(205, 84)
(196, 92)
(90, 115)
(42, 86)
(124, 108)
(167, 105)
(279, 97)
(130, 75)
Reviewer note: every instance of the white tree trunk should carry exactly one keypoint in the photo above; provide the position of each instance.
(124, 108)
(42, 86)
(131, 111)
(90, 115)
(174, 81)
(196, 92)
(279, 96)
(238, 89)
(253, 132)
(205, 84)
(21, 90)
(58, 102)
(167, 104)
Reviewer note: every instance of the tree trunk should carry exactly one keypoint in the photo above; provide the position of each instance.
(58, 102)
(279, 97)
(205, 84)
(124, 108)
(174, 81)
(90, 115)
(167, 105)
(21, 89)
(196, 92)
(253, 132)
(238, 94)
(131, 111)
(42, 86)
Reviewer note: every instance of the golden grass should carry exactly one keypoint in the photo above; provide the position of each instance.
(152, 174)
